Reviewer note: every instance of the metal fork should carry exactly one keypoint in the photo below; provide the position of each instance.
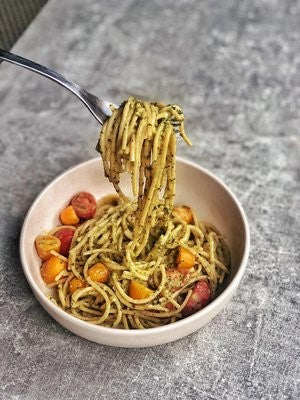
(100, 109)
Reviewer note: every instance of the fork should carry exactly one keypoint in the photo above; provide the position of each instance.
(100, 109)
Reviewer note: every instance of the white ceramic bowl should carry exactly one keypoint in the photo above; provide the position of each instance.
(196, 187)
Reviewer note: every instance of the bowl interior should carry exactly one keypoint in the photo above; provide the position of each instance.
(194, 187)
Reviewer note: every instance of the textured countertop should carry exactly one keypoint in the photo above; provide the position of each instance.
(234, 68)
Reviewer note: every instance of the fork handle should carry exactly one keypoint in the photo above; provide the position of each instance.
(90, 101)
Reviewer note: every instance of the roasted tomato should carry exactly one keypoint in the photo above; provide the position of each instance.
(200, 297)
(65, 236)
(84, 205)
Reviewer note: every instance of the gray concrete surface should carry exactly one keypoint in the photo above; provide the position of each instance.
(234, 68)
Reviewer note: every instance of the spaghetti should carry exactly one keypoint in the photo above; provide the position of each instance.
(139, 139)
(160, 263)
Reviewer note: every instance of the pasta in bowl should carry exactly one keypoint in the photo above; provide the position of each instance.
(215, 204)
(97, 278)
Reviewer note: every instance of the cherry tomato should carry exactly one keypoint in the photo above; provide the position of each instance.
(139, 291)
(200, 297)
(184, 213)
(99, 273)
(65, 236)
(68, 216)
(185, 259)
(52, 267)
(75, 284)
(84, 205)
(44, 244)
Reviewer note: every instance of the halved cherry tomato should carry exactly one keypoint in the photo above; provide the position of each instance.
(139, 291)
(68, 216)
(184, 213)
(44, 244)
(52, 267)
(200, 297)
(84, 205)
(185, 259)
(65, 236)
(75, 284)
(99, 273)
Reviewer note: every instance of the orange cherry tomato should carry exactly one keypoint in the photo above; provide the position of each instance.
(44, 244)
(99, 273)
(184, 213)
(139, 291)
(185, 259)
(75, 284)
(51, 268)
(68, 216)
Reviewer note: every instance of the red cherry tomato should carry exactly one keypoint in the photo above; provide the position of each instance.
(65, 236)
(84, 205)
(200, 297)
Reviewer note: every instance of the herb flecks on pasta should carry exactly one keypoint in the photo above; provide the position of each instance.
(109, 239)
(135, 263)
(139, 138)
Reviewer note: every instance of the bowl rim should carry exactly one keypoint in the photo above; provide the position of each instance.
(227, 292)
